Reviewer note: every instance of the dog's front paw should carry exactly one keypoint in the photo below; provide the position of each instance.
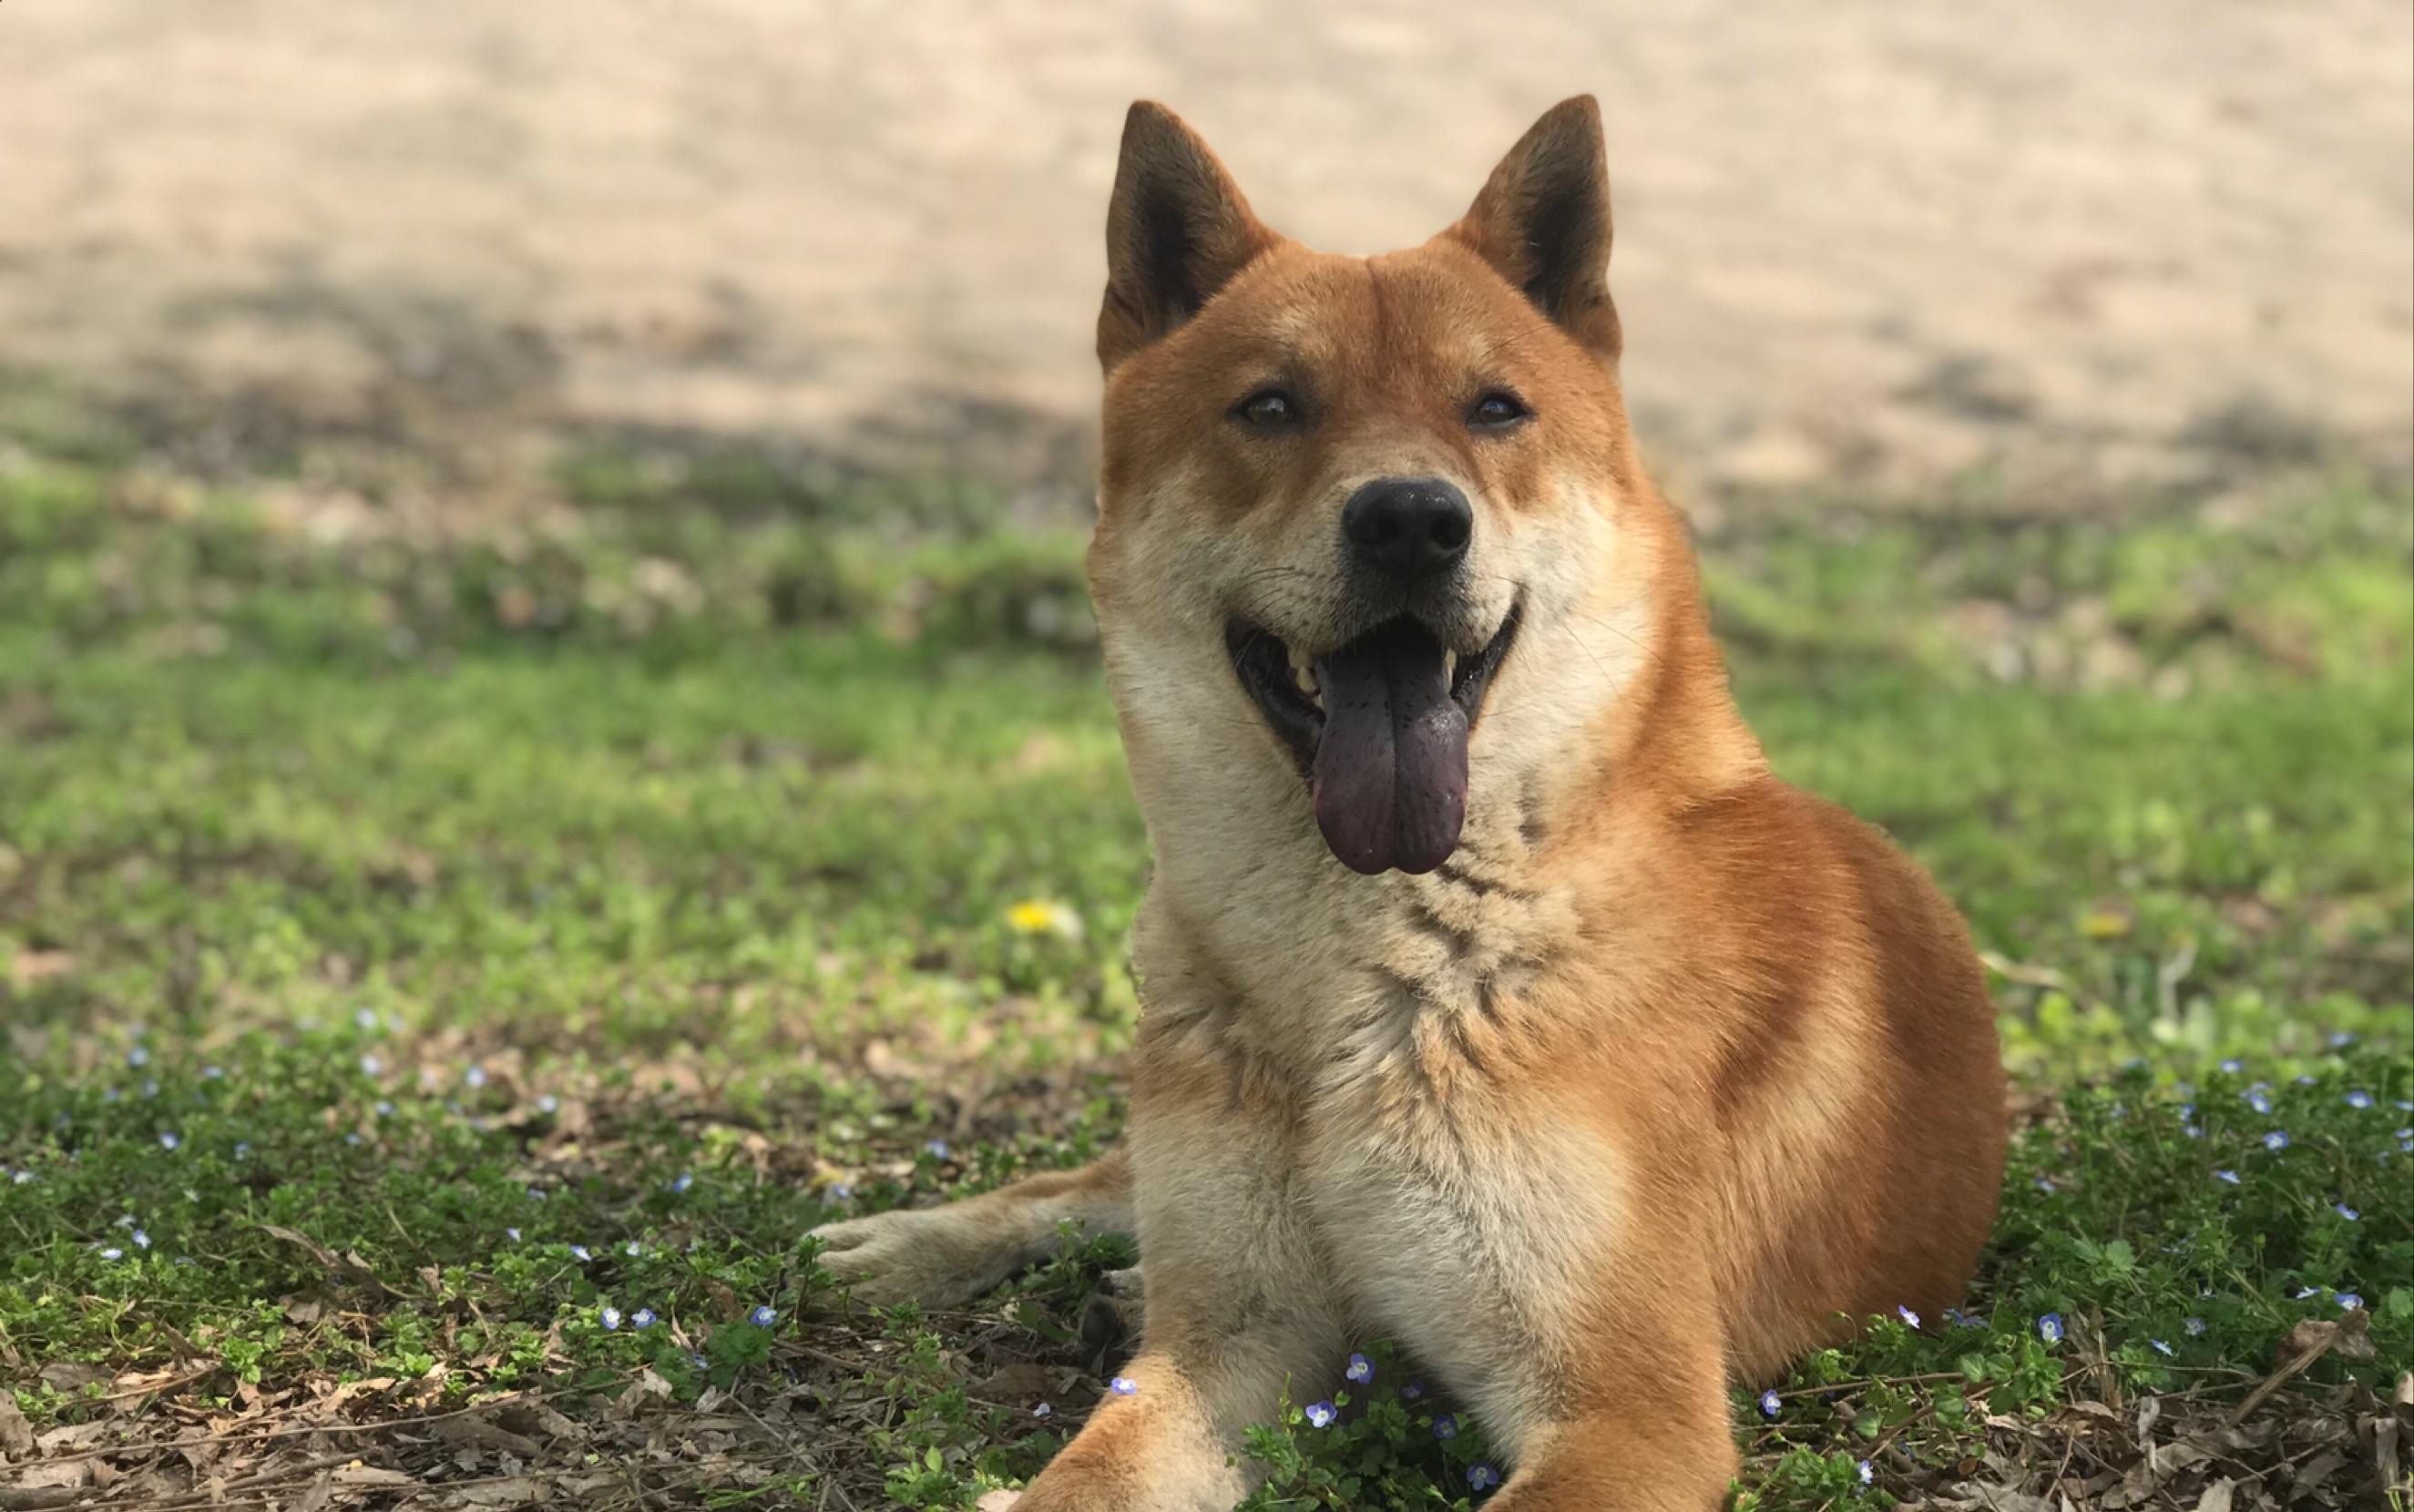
(936, 1256)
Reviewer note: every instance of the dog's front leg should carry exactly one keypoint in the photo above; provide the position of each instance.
(1644, 1425)
(1237, 1304)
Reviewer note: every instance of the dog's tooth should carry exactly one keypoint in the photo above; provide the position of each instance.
(1305, 677)
(1449, 665)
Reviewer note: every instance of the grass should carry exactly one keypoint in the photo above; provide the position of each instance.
(420, 934)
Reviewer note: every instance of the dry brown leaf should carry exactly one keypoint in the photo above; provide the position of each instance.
(69, 1437)
(479, 1432)
(2381, 1435)
(357, 1474)
(538, 1417)
(1012, 1383)
(518, 1492)
(71, 1376)
(320, 1495)
(2216, 1497)
(16, 1434)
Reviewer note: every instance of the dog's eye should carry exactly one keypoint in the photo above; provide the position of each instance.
(1269, 409)
(1496, 411)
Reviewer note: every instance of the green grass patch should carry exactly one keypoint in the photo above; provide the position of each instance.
(454, 962)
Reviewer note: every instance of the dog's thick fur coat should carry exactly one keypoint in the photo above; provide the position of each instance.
(1666, 1074)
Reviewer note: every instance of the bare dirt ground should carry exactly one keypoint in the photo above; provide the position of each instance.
(2057, 249)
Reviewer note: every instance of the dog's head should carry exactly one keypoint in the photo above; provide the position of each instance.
(1372, 525)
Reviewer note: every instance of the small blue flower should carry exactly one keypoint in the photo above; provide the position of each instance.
(2233, 1065)
(372, 1066)
(548, 1104)
(938, 1149)
(2359, 1098)
(113, 1252)
(841, 1191)
(581, 1253)
(536, 1193)
(1482, 1476)
(1445, 1426)
(367, 1018)
(1869, 1476)
(633, 1248)
(149, 1087)
(1910, 1318)
(2049, 1327)
(474, 1077)
(170, 1141)
(353, 1139)
(384, 1108)
(699, 1362)
(682, 1182)
(2303, 1291)
(213, 1073)
(1043, 1410)
(2259, 1102)
(514, 1235)
(2342, 1040)
(611, 1319)
(111, 1094)
(2230, 1177)
(2344, 1212)
(2195, 1328)
(1413, 1391)
(141, 1240)
(2194, 1130)
(2308, 1081)
(2349, 1301)
(1320, 1415)
(139, 1057)
(2404, 1105)
(2160, 1347)
(2276, 1140)
(1361, 1369)
(642, 1318)
(23, 1178)
(1769, 1404)
(2045, 1185)
(242, 1149)
(763, 1317)
(1122, 1386)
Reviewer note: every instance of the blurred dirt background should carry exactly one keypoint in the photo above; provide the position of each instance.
(2053, 252)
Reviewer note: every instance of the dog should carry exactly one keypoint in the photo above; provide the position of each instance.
(1498, 1000)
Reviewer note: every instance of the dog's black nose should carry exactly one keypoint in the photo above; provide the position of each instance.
(1408, 527)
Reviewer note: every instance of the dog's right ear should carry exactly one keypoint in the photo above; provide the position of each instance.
(1177, 230)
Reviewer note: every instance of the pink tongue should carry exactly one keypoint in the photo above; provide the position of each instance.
(1390, 767)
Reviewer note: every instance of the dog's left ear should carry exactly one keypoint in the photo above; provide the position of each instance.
(1542, 220)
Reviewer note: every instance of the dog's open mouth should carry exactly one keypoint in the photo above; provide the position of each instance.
(1379, 728)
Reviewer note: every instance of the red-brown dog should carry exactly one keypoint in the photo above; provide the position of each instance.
(1499, 1001)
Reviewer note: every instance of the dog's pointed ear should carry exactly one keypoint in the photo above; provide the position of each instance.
(1177, 230)
(1542, 220)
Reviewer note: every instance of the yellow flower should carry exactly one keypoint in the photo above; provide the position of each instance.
(1040, 917)
(2104, 924)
